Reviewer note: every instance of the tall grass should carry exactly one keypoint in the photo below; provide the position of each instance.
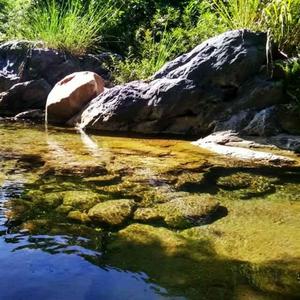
(69, 26)
(281, 18)
(238, 13)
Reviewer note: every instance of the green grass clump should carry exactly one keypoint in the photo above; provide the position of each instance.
(280, 18)
(69, 26)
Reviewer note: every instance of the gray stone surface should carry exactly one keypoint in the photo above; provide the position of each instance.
(192, 94)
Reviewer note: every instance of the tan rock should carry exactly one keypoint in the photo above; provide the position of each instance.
(71, 94)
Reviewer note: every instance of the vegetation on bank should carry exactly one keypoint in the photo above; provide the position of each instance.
(147, 33)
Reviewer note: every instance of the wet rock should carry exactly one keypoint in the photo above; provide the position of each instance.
(180, 213)
(37, 115)
(247, 185)
(79, 216)
(286, 141)
(24, 96)
(147, 215)
(229, 144)
(190, 94)
(289, 118)
(71, 94)
(82, 200)
(264, 123)
(113, 212)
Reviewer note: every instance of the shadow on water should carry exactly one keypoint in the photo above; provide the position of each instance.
(272, 177)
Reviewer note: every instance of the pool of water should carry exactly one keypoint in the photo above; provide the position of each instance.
(247, 246)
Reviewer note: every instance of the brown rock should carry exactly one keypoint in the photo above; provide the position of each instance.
(71, 94)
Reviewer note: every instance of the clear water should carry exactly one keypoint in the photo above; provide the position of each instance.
(250, 249)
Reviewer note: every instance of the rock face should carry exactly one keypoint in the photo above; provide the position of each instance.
(71, 94)
(192, 94)
(24, 96)
(27, 68)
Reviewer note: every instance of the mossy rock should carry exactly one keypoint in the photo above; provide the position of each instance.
(181, 212)
(147, 215)
(81, 200)
(113, 212)
(79, 216)
(248, 185)
(48, 199)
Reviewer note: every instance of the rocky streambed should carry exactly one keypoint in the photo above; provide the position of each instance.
(94, 217)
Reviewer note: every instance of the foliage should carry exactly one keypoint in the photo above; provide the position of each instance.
(69, 25)
(278, 17)
(147, 33)
(291, 68)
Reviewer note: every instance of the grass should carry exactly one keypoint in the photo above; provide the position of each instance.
(280, 18)
(68, 26)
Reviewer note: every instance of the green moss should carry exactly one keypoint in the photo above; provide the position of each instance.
(82, 200)
(79, 216)
(114, 212)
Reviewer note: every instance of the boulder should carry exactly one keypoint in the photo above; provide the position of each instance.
(71, 94)
(188, 96)
(24, 61)
(24, 96)
(36, 115)
(230, 144)
(112, 212)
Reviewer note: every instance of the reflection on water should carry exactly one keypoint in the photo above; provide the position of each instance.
(50, 249)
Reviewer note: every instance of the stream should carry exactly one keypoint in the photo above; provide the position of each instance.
(244, 242)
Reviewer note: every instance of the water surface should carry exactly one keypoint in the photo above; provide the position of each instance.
(249, 248)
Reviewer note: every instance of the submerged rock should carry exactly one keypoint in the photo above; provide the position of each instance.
(82, 200)
(189, 95)
(113, 212)
(180, 213)
(71, 94)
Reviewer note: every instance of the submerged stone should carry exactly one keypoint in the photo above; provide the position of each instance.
(77, 215)
(180, 213)
(113, 212)
(82, 200)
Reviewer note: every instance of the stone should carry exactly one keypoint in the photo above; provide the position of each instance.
(82, 200)
(37, 115)
(23, 61)
(113, 212)
(24, 96)
(289, 118)
(79, 216)
(230, 144)
(190, 95)
(71, 94)
(180, 213)
(264, 123)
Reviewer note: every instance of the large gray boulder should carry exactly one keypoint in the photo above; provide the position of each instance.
(192, 94)
(22, 62)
